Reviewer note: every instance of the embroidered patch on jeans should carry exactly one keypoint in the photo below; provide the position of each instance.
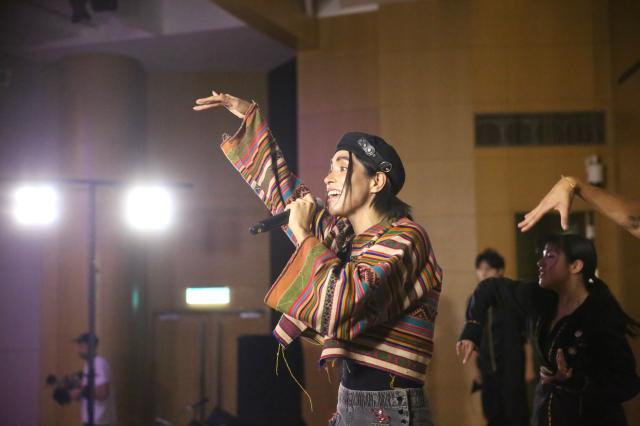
(381, 418)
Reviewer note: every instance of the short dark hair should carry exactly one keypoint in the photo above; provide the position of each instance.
(492, 257)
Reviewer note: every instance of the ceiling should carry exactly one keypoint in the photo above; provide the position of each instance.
(165, 35)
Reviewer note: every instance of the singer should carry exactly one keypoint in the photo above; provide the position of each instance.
(363, 281)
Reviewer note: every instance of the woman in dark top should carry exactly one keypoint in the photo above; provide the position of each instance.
(579, 333)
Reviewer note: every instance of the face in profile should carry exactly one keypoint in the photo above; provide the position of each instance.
(484, 271)
(553, 267)
(339, 201)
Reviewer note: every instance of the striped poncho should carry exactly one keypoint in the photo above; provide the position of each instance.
(377, 307)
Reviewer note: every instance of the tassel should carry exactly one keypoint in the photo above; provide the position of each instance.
(278, 358)
(281, 350)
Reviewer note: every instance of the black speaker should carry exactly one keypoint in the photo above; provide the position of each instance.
(264, 398)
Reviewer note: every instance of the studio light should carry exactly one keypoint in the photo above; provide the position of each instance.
(207, 296)
(36, 205)
(149, 208)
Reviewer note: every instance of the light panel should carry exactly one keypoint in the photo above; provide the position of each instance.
(207, 296)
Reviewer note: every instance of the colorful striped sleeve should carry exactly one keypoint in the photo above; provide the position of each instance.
(341, 300)
(254, 153)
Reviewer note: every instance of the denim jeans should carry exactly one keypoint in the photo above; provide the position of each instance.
(397, 407)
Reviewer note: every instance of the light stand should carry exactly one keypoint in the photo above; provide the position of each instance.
(92, 186)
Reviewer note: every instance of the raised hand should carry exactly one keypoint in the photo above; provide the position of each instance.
(563, 372)
(236, 106)
(559, 198)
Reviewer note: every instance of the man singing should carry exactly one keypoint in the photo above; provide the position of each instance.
(363, 281)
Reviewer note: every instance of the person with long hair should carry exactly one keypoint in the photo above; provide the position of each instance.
(579, 332)
(363, 281)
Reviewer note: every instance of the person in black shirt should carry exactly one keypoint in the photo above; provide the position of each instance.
(579, 333)
(500, 365)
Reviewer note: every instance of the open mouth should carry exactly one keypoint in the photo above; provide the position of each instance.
(540, 274)
(333, 195)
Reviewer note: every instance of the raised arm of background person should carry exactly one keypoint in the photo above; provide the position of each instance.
(623, 211)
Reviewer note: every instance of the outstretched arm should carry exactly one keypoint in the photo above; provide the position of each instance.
(622, 211)
(254, 153)
(500, 293)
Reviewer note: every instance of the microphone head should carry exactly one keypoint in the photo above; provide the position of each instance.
(319, 202)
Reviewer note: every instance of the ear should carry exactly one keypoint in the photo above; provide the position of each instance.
(377, 182)
(576, 266)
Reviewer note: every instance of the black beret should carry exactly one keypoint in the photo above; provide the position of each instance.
(374, 151)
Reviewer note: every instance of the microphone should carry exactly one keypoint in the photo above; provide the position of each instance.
(277, 220)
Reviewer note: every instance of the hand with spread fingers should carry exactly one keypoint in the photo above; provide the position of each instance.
(623, 211)
(563, 372)
(559, 198)
(466, 348)
(236, 106)
(301, 213)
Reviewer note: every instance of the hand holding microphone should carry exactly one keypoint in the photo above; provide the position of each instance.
(301, 213)
(298, 215)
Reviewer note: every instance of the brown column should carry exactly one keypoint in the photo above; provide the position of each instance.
(102, 114)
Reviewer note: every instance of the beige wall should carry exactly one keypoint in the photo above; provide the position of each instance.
(416, 73)
(528, 58)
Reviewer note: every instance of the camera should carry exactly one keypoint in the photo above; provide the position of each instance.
(63, 386)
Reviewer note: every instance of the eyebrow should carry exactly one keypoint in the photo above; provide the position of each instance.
(341, 158)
